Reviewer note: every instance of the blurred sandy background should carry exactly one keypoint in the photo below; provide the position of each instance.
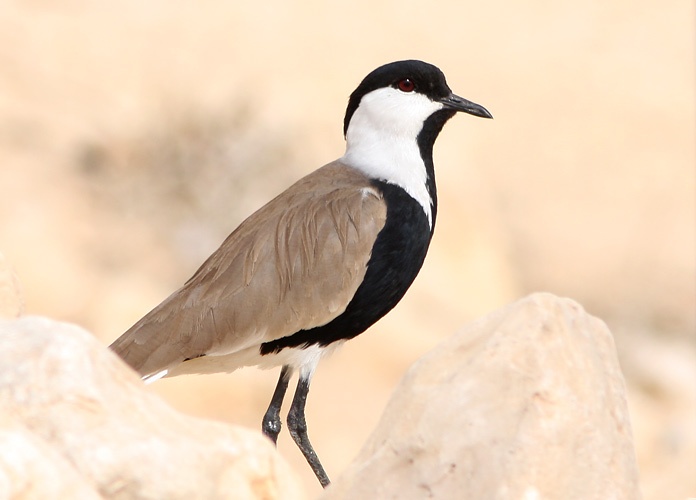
(134, 136)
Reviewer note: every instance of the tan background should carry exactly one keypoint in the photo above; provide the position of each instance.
(135, 135)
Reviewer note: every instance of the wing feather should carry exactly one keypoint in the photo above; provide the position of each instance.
(294, 264)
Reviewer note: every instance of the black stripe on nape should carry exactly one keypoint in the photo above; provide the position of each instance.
(397, 257)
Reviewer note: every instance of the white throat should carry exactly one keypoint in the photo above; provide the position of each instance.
(381, 140)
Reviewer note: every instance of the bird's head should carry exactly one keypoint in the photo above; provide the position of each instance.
(399, 97)
(392, 121)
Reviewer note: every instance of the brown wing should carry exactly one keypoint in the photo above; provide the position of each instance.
(292, 265)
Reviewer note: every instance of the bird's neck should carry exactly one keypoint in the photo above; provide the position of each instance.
(395, 157)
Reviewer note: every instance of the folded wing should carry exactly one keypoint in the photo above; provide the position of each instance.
(294, 264)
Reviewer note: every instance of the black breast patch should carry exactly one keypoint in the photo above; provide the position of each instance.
(397, 257)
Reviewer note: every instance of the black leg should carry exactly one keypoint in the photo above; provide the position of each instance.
(271, 420)
(298, 430)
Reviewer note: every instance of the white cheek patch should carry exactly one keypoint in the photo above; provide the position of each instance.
(381, 140)
(390, 109)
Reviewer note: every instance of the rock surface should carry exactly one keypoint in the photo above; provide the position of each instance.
(32, 469)
(77, 423)
(528, 402)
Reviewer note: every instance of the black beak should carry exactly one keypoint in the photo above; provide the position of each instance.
(456, 103)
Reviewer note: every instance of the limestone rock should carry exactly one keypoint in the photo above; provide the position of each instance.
(528, 402)
(25, 457)
(11, 303)
(103, 434)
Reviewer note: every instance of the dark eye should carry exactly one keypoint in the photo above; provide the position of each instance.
(406, 85)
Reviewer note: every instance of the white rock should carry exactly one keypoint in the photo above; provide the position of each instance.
(29, 468)
(70, 395)
(526, 403)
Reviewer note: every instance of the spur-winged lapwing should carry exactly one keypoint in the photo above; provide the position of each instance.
(321, 262)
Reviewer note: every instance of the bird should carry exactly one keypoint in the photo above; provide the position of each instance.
(321, 262)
